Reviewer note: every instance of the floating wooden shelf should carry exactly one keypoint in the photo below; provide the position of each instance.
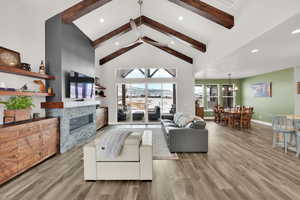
(20, 93)
(52, 105)
(14, 70)
(68, 104)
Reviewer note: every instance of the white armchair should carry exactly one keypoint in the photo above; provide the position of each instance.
(134, 162)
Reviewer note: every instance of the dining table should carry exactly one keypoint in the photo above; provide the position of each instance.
(296, 117)
(232, 115)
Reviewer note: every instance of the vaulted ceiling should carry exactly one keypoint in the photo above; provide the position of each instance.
(254, 22)
(241, 22)
(156, 23)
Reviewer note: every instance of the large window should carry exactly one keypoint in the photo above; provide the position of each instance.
(161, 73)
(131, 102)
(145, 94)
(140, 101)
(228, 96)
(162, 95)
(132, 73)
(212, 96)
(199, 94)
(141, 73)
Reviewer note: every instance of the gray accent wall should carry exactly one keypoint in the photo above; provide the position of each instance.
(67, 49)
(53, 56)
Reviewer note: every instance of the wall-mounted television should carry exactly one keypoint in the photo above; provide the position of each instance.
(80, 86)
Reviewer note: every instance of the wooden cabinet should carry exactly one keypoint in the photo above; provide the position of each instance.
(101, 117)
(199, 111)
(26, 144)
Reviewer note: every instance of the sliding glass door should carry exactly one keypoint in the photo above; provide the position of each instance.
(131, 102)
(160, 99)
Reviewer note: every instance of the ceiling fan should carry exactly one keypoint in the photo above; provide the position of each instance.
(138, 32)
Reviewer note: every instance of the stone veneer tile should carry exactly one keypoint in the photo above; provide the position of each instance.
(67, 141)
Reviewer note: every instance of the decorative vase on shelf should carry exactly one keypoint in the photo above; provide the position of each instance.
(42, 68)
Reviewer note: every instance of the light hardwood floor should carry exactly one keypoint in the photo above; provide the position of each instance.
(240, 165)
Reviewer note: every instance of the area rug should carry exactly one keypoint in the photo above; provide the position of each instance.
(160, 148)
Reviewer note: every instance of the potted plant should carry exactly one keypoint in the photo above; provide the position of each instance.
(17, 109)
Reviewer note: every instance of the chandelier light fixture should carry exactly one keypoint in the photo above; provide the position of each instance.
(232, 87)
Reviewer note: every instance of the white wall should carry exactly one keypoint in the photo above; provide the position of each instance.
(22, 25)
(252, 22)
(145, 56)
(297, 96)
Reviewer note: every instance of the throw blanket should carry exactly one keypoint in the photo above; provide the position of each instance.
(112, 143)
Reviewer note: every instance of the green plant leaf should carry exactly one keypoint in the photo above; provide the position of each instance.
(18, 103)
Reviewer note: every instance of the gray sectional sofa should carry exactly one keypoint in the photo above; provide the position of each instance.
(187, 135)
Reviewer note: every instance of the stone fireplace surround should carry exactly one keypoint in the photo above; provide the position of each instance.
(69, 139)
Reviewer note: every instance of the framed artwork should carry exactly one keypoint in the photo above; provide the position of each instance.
(262, 89)
(9, 57)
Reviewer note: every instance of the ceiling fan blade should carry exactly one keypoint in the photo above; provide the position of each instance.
(132, 43)
(134, 28)
(154, 43)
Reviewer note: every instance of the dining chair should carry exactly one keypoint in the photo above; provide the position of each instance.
(224, 117)
(235, 120)
(217, 114)
(297, 129)
(281, 125)
(246, 119)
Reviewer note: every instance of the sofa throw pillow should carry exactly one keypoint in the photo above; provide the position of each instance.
(177, 116)
(198, 124)
(189, 125)
(184, 120)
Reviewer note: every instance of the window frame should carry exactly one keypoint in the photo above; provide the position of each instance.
(233, 95)
(200, 96)
(207, 96)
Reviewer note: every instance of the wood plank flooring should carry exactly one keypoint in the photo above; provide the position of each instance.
(240, 165)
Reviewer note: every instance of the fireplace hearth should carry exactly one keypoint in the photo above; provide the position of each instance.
(78, 122)
(77, 125)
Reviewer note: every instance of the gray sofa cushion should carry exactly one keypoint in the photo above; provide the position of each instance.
(169, 128)
(170, 124)
(166, 121)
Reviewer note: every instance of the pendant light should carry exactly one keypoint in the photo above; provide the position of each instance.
(232, 87)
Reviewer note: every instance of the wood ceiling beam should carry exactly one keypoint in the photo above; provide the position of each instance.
(173, 33)
(156, 26)
(209, 12)
(81, 8)
(117, 32)
(170, 51)
(118, 53)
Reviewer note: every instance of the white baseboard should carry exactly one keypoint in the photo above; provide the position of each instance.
(261, 122)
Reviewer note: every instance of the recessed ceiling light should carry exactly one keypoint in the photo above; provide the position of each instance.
(172, 42)
(255, 51)
(117, 43)
(296, 31)
(180, 18)
(101, 20)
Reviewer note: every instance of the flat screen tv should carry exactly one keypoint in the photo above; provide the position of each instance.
(80, 86)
